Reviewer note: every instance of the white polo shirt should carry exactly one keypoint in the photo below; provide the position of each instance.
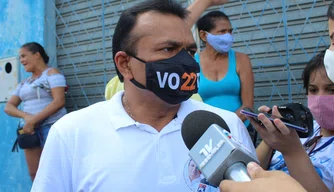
(100, 148)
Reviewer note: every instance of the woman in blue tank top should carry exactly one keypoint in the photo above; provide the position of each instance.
(226, 77)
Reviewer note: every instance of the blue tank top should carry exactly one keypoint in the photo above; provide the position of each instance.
(225, 93)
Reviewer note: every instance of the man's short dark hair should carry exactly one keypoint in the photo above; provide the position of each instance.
(330, 11)
(316, 63)
(125, 40)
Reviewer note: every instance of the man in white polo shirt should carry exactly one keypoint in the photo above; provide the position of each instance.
(133, 141)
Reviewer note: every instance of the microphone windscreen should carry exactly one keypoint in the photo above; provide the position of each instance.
(196, 123)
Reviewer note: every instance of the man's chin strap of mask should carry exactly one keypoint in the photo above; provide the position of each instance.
(329, 64)
(135, 82)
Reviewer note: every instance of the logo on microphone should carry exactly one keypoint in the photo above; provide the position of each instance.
(208, 151)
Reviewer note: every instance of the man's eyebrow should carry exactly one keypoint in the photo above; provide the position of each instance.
(177, 44)
(171, 43)
(192, 46)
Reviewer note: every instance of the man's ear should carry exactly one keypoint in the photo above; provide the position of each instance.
(122, 63)
(202, 35)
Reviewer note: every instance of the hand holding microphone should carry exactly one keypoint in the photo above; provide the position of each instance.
(263, 181)
(214, 150)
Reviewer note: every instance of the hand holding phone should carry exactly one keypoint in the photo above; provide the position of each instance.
(249, 113)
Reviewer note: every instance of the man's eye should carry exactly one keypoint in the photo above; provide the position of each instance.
(192, 52)
(168, 49)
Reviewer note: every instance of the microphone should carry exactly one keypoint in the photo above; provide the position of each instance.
(213, 149)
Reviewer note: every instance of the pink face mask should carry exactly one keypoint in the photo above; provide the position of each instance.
(322, 109)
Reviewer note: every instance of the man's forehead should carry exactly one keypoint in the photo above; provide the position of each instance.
(154, 22)
(155, 29)
(150, 17)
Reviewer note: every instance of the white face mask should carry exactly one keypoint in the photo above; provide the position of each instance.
(329, 64)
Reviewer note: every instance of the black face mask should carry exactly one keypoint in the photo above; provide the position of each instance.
(173, 80)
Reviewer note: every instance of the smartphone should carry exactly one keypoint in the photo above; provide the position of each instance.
(248, 112)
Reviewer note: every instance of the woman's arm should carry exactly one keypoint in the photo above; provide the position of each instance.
(11, 107)
(264, 153)
(58, 95)
(279, 137)
(244, 69)
(301, 168)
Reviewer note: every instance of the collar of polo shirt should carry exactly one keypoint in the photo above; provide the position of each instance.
(120, 119)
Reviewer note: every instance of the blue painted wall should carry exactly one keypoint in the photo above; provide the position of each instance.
(21, 21)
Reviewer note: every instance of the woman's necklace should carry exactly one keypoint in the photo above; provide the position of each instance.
(31, 79)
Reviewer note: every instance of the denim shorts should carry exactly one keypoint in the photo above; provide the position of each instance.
(43, 132)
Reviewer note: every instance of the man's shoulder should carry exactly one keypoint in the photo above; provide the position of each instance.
(194, 105)
(231, 119)
(95, 108)
(84, 116)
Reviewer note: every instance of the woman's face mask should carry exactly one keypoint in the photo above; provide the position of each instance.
(221, 43)
(321, 99)
(322, 109)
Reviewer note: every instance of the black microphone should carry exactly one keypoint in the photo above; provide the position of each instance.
(196, 123)
(213, 149)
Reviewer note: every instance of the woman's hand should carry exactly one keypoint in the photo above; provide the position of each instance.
(286, 140)
(29, 124)
(276, 135)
